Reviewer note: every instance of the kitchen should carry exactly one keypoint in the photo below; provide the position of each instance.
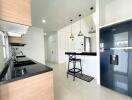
(63, 50)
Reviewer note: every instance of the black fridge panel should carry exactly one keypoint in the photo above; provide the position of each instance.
(114, 70)
(115, 36)
(116, 57)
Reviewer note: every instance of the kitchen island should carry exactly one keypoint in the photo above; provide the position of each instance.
(28, 80)
(89, 62)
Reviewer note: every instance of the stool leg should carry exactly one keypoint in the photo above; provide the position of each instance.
(68, 69)
(81, 68)
(67, 74)
(74, 70)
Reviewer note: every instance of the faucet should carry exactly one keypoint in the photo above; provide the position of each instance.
(21, 53)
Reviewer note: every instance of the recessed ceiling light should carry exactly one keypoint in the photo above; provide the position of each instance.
(43, 21)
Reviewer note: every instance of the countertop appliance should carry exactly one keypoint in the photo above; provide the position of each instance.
(116, 57)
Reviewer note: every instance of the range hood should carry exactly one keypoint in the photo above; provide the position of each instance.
(15, 41)
(17, 44)
(10, 27)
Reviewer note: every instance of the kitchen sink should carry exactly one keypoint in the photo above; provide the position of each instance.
(20, 56)
(23, 63)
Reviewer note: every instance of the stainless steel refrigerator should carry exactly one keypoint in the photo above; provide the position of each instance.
(116, 57)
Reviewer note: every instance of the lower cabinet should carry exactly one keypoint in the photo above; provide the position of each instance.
(39, 87)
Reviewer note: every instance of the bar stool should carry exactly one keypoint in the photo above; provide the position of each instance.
(74, 70)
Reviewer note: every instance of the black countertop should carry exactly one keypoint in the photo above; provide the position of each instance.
(81, 53)
(12, 73)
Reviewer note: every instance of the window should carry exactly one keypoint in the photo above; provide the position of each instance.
(5, 45)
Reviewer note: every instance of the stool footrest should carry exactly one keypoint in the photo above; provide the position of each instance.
(77, 70)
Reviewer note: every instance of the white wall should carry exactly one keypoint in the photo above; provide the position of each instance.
(96, 19)
(51, 47)
(76, 44)
(65, 44)
(34, 48)
(102, 4)
(118, 10)
(115, 10)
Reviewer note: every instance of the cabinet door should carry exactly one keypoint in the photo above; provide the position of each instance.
(106, 38)
(115, 36)
(17, 11)
(114, 70)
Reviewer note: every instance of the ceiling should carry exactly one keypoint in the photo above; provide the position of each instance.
(58, 13)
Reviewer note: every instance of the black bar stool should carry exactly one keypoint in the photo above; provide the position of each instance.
(74, 70)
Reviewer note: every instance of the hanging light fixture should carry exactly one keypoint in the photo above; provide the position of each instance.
(92, 28)
(71, 37)
(80, 33)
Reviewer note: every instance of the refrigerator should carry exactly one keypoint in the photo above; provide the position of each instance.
(116, 57)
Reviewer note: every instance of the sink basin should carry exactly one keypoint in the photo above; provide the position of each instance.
(23, 63)
(20, 56)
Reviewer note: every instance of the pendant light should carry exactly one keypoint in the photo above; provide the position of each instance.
(92, 28)
(71, 37)
(80, 33)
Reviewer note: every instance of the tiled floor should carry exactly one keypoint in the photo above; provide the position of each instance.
(66, 89)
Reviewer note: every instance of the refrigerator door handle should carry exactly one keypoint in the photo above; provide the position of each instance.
(121, 48)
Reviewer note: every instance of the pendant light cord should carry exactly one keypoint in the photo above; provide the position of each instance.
(80, 24)
(80, 33)
(71, 26)
(80, 21)
(71, 30)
